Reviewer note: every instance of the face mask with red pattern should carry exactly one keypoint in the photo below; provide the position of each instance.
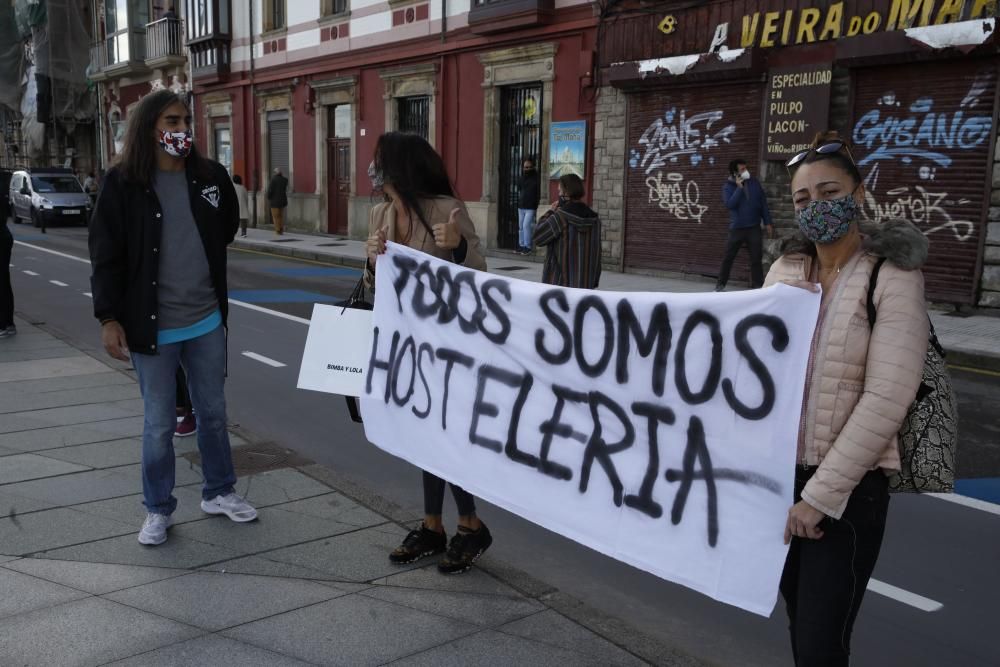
(177, 144)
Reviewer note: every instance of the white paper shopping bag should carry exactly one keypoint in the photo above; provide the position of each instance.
(335, 360)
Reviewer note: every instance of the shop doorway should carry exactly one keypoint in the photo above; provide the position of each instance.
(338, 168)
(520, 139)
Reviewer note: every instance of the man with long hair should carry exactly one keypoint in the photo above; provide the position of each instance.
(158, 240)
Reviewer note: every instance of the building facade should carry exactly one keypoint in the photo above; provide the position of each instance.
(138, 48)
(687, 87)
(308, 86)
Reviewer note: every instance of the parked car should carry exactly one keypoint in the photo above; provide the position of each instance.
(47, 196)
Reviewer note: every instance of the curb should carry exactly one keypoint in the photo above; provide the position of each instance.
(300, 253)
(974, 360)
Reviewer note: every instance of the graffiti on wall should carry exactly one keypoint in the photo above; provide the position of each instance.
(920, 143)
(680, 198)
(677, 135)
(677, 139)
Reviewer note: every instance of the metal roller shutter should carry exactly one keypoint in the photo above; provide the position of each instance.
(680, 142)
(922, 140)
(277, 140)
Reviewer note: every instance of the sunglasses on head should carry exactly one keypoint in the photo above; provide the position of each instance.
(824, 149)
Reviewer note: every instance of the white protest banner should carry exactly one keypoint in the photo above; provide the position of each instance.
(337, 350)
(659, 429)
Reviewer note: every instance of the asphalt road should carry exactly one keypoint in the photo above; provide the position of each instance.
(941, 552)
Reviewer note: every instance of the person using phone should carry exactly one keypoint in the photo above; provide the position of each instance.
(747, 204)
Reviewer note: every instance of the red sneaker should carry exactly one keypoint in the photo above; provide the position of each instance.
(187, 426)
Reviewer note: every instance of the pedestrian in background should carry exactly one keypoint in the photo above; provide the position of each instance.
(865, 376)
(7, 327)
(242, 198)
(423, 213)
(187, 424)
(277, 199)
(527, 206)
(158, 240)
(747, 204)
(571, 230)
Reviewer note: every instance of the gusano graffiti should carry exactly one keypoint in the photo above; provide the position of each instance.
(675, 135)
(923, 208)
(921, 133)
(674, 196)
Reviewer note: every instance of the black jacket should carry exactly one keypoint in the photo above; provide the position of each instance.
(529, 187)
(277, 192)
(125, 233)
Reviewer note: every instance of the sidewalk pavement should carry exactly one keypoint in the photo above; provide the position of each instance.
(970, 339)
(308, 583)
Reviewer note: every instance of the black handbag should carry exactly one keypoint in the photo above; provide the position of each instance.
(358, 300)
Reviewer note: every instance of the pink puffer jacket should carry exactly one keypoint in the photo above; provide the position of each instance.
(861, 381)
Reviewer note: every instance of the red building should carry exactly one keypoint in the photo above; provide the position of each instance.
(280, 84)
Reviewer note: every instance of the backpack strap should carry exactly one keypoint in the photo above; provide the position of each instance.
(872, 282)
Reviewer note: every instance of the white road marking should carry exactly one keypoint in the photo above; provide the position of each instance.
(264, 360)
(29, 273)
(58, 283)
(53, 252)
(906, 597)
(268, 311)
(88, 295)
(966, 501)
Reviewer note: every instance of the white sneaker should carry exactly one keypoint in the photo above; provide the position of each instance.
(232, 506)
(154, 529)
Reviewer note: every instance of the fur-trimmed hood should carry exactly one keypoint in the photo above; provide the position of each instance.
(899, 241)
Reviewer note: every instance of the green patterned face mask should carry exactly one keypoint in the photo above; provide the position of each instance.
(827, 220)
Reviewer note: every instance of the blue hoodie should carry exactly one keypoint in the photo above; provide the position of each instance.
(747, 205)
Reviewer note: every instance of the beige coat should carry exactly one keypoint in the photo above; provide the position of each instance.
(437, 210)
(861, 382)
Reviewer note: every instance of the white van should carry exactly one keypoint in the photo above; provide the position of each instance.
(47, 196)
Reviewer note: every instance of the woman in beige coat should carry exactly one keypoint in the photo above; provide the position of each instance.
(422, 212)
(860, 382)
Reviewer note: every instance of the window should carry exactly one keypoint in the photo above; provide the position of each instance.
(340, 121)
(274, 15)
(414, 114)
(224, 147)
(124, 23)
(57, 184)
(333, 7)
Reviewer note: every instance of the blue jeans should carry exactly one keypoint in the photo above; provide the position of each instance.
(526, 226)
(204, 362)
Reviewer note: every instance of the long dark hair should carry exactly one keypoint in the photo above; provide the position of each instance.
(137, 161)
(414, 169)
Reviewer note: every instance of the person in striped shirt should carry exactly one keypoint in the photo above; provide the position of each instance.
(571, 233)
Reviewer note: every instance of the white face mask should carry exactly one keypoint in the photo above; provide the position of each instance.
(745, 175)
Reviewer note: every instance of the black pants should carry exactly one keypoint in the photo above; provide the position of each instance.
(824, 580)
(434, 497)
(6, 293)
(752, 238)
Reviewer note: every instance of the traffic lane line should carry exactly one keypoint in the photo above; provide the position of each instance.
(58, 283)
(262, 359)
(904, 596)
(971, 503)
(29, 273)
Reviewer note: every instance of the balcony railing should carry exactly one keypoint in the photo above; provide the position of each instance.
(164, 39)
(210, 57)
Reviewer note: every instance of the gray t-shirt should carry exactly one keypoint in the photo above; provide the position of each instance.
(185, 291)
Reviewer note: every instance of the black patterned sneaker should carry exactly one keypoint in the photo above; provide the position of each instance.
(420, 543)
(466, 547)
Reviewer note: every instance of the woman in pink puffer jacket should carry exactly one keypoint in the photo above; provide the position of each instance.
(859, 384)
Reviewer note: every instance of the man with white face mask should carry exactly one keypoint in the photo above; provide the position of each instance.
(747, 204)
(158, 240)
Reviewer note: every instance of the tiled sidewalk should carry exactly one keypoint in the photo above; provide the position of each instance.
(309, 583)
(971, 341)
